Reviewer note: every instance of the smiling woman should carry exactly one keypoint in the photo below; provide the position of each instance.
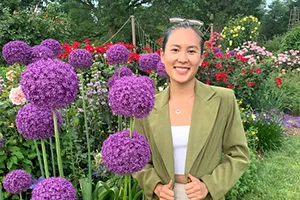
(191, 126)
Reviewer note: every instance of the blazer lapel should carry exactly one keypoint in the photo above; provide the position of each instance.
(161, 126)
(205, 110)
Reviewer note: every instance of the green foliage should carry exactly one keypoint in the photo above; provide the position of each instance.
(32, 27)
(269, 131)
(247, 182)
(274, 44)
(239, 30)
(291, 39)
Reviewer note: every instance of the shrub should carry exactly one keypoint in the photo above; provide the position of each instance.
(291, 39)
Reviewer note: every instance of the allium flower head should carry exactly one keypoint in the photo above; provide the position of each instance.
(54, 188)
(117, 54)
(16, 181)
(149, 61)
(132, 96)
(53, 45)
(40, 52)
(49, 83)
(35, 122)
(124, 155)
(161, 69)
(123, 70)
(80, 58)
(16, 52)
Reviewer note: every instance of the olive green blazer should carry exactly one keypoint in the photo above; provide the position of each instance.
(217, 151)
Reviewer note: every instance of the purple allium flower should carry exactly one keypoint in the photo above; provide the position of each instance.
(16, 181)
(54, 188)
(16, 52)
(40, 52)
(80, 58)
(36, 122)
(216, 50)
(161, 69)
(124, 71)
(117, 54)
(149, 61)
(53, 45)
(232, 52)
(132, 96)
(49, 83)
(124, 155)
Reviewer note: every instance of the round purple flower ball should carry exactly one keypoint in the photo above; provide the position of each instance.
(80, 58)
(124, 71)
(117, 54)
(49, 83)
(149, 61)
(53, 45)
(16, 52)
(124, 155)
(40, 52)
(35, 122)
(16, 181)
(54, 188)
(132, 96)
(161, 69)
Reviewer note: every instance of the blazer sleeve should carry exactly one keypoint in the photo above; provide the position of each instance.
(236, 154)
(147, 177)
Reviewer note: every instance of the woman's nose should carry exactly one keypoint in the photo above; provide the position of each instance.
(182, 57)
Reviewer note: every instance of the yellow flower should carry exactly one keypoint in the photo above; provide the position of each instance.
(231, 31)
(256, 138)
(237, 35)
(244, 121)
(250, 37)
(242, 109)
(256, 28)
(253, 132)
(230, 42)
(253, 116)
(224, 36)
(243, 28)
(225, 27)
(240, 102)
(259, 23)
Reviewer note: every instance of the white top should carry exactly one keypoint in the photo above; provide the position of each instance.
(180, 136)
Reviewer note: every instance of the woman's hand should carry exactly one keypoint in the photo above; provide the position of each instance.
(195, 190)
(164, 192)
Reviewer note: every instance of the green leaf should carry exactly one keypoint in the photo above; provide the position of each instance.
(18, 154)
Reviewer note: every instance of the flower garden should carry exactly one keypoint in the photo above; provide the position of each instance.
(66, 123)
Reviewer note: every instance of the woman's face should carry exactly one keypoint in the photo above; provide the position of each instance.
(182, 55)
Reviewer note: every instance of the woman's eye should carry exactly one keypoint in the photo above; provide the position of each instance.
(174, 50)
(191, 51)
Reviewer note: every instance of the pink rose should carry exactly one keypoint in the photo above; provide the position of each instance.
(16, 96)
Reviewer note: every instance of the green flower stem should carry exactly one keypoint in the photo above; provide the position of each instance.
(39, 158)
(57, 143)
(71, 143)
(119, 116)
(1, 193)
(125, 188)
(45, 159)
(130, 126)
(20, 196)
(52, 158)
(86, 131)
(129, 185)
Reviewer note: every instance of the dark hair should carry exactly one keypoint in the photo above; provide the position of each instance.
(186, 25)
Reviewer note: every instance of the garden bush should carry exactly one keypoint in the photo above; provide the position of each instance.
(291, 39)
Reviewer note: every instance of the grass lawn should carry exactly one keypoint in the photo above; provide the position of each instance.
(279, 173)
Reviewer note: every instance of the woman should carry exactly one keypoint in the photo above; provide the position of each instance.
(195, 131)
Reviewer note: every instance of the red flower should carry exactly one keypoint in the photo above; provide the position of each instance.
(251, 84)
(129, 46)
(148, 71)
(244, 71)
(208, 82)
(205, 63)
(229, 85)
(160, 40)
(100, 49)
(147, 49)
(133, 56)
(219, 65)
(252, 70)
(218, 55)
(90, 48)
(230, 68)
(87, 41)
(75, 45)
(278, 81)
(258, 71)
(205, 54)
(225, 79)
(242, 58)
(158, 51)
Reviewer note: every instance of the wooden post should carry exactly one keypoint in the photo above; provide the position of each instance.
(133, 32)
(211, 30)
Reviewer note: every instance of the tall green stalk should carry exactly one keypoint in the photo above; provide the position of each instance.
(52, 158)
(86, 132)
(57, 143)
(20, 196)
(45, 159)
(39, 158)
(71, 144)
(125, 188)
(1, 193)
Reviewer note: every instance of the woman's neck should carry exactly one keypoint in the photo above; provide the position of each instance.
(182, 91)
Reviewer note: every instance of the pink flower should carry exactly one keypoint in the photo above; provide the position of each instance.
(16, 96)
